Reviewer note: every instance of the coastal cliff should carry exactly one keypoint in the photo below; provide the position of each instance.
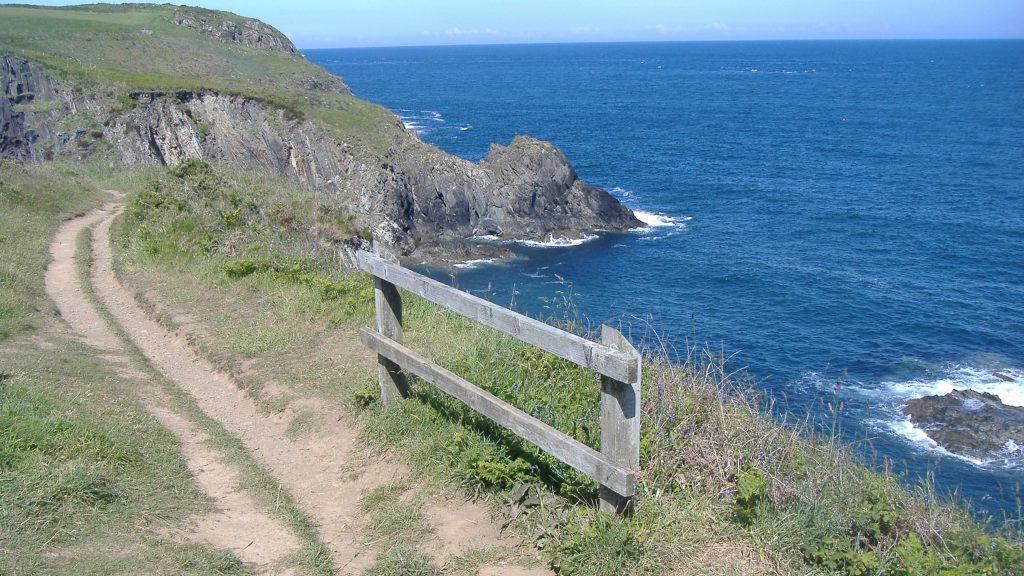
(238, 93)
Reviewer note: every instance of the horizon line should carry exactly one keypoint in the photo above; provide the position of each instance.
(691, 41)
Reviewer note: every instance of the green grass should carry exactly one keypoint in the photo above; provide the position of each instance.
(394, 522)
(87, 479)
(314, 556)
(33, 200)
(104, 51)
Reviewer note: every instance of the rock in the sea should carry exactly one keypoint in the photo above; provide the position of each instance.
(970, 423)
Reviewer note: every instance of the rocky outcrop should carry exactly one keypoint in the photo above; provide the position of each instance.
(413, 197)
(972, 424)
(526, 190)
(30, 97)
(248, 32)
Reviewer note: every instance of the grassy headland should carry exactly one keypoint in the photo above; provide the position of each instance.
(117, 52)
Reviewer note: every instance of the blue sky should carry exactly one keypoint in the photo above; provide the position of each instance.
(350, 23)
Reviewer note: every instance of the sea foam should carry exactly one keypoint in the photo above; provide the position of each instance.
(475, 263)
(1006, 383)
(551, 241)
(556, 241)
(961, 377)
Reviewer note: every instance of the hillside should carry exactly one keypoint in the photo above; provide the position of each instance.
(155, 85)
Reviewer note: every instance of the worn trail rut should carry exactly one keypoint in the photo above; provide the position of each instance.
(317, 471)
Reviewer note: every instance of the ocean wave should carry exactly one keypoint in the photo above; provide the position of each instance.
(654, 219)
(412, 125)
(475, 263)
(659, 223)
(419, 120)
(890, 396)
(1010, 457)
(1007, 383)
(622, 193)
(555, 241)
(552, 241)
(904, 428)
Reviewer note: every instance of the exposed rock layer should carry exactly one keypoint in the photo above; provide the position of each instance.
(251, 33)
(412, 197)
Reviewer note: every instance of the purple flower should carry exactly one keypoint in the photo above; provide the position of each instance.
(729, 492)
(687, 433)
(672, 416)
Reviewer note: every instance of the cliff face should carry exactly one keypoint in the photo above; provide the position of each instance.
(409, 194)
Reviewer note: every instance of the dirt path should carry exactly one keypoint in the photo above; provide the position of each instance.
(255, 536)
(316, 470)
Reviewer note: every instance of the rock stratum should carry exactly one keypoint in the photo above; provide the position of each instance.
(973, 424)
(200, 84)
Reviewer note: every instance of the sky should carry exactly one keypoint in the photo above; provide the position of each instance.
(359, 23)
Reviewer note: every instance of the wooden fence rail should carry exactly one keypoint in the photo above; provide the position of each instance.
(614, 359)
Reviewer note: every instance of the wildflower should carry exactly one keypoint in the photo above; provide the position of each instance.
(534, 469)
(661, 389)
(728, 492)
(672, 416)
(687, 433)
(927, 498)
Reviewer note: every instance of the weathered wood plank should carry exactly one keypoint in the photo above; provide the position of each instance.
(620, 423)
(388, 305)
(601, 359)
(561, 446)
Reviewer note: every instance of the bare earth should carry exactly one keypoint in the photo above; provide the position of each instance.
(316, 470)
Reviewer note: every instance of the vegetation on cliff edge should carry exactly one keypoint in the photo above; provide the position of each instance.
(717, 471)
(116, 53)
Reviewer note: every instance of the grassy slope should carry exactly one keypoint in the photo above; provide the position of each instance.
(82, 469)
(724, 489)
(103, 50)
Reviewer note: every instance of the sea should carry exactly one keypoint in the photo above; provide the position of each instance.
(843, 220)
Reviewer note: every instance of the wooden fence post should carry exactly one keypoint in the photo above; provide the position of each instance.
(620, 422)
(388, 304)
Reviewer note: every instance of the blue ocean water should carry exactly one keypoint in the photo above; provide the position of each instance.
(821, 211)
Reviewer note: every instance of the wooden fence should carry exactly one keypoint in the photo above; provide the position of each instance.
(614, 359)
